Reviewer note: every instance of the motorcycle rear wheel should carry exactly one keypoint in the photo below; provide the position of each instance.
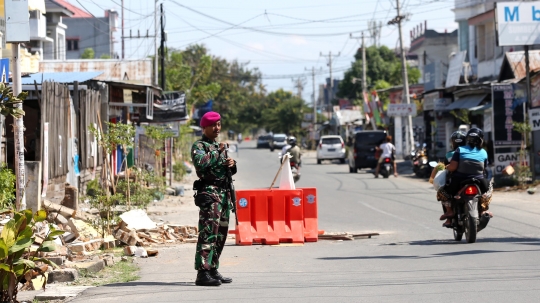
(470, 229)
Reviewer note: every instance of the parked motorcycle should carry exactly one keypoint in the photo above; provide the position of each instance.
(466, 209)
(420, 163)
(387, 167)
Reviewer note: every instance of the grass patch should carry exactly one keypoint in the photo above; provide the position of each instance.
(121, 272)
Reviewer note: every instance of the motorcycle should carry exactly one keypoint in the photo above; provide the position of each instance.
(467, 219)
(295, 174)
(420, 163)
(294, 168)
(387, 167)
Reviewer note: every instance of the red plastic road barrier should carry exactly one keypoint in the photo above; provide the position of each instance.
(269, 216)
(311, 227)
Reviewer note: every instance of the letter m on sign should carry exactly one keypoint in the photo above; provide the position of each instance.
(511, 14)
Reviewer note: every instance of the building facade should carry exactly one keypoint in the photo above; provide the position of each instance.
(86, 31)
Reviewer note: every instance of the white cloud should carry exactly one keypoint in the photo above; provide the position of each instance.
(297, 40)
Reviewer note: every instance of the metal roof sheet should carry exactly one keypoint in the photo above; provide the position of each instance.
(65, 77)
(466, 102)
(516, 61)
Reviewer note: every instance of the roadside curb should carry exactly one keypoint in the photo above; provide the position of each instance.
(52, 292)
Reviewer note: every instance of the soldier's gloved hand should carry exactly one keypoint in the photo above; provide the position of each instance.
(229, 162)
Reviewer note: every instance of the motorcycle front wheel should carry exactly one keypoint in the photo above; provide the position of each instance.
(458, 235)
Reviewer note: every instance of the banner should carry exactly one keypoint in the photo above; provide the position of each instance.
(502, 160)
(534, 118)
(401, 110)
(508, 102)
(170, 108)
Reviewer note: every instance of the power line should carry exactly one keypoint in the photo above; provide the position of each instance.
(255, 29)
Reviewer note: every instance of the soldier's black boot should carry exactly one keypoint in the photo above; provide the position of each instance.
(214, 273)
(205, 279)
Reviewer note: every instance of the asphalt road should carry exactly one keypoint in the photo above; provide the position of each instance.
(413, 260)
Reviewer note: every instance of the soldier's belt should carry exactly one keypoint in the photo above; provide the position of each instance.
(218, 183)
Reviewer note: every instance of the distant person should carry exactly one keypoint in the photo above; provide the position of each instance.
(387, 150)
(285, 148)
(295, 152)
(213, 199)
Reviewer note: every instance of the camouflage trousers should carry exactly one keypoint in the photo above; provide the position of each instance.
(213, 229)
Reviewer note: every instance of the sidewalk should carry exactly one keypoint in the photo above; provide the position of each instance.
(176, 209)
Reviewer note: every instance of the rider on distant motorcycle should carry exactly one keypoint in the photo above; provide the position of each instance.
(387, 150)
(294, 150)
(469, 161)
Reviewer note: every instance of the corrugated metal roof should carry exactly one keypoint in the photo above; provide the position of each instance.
(516, 61)
(466, 102)
(69, 77)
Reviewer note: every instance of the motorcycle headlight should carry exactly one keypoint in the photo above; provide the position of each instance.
(424, 161)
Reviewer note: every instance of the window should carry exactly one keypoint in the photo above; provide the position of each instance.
(463, 35)
(481, 42)
(72, 44)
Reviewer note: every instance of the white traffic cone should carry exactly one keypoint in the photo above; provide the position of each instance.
(286, 180)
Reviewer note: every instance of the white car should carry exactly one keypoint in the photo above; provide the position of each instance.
(331, 148)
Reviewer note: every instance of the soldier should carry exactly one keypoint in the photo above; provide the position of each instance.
(212, 164)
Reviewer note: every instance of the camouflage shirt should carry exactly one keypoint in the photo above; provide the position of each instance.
(209, 162)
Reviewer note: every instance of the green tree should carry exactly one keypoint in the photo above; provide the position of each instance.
(382, 64)
(283, 112)
(88, 53)
(105, 56)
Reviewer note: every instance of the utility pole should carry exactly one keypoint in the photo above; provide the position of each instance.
(123, 42)
(156, 44)
(17, 30)
(314, 103)
(406, 98)
(331, 97)
(313, 98)
(364, 77)
(299, 85)
(18, 130)
(162, 50)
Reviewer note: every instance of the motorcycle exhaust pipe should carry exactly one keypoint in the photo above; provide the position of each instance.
(483, 221)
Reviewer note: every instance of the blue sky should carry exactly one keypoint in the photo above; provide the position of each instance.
(281, 38)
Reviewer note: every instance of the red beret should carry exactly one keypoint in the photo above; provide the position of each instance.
(209, 118)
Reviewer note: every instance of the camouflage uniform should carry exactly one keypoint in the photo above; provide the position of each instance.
(214, 215)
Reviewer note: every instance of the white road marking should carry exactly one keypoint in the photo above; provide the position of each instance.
(400, 218)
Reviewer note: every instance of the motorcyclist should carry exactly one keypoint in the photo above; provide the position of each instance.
(387, 150)
(468, 161)
(239, 138)
(456, 140)
(294, 150)
(285, 148)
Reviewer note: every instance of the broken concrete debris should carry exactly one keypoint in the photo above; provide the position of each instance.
(345, 236)
(79, 248)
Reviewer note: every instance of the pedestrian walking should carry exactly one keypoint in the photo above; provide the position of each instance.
(213, 199)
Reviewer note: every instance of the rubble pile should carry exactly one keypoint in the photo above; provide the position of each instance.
(81, 242)
(137, 230)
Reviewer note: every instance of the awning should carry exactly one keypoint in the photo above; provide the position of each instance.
(481, 107)
(466, 102)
